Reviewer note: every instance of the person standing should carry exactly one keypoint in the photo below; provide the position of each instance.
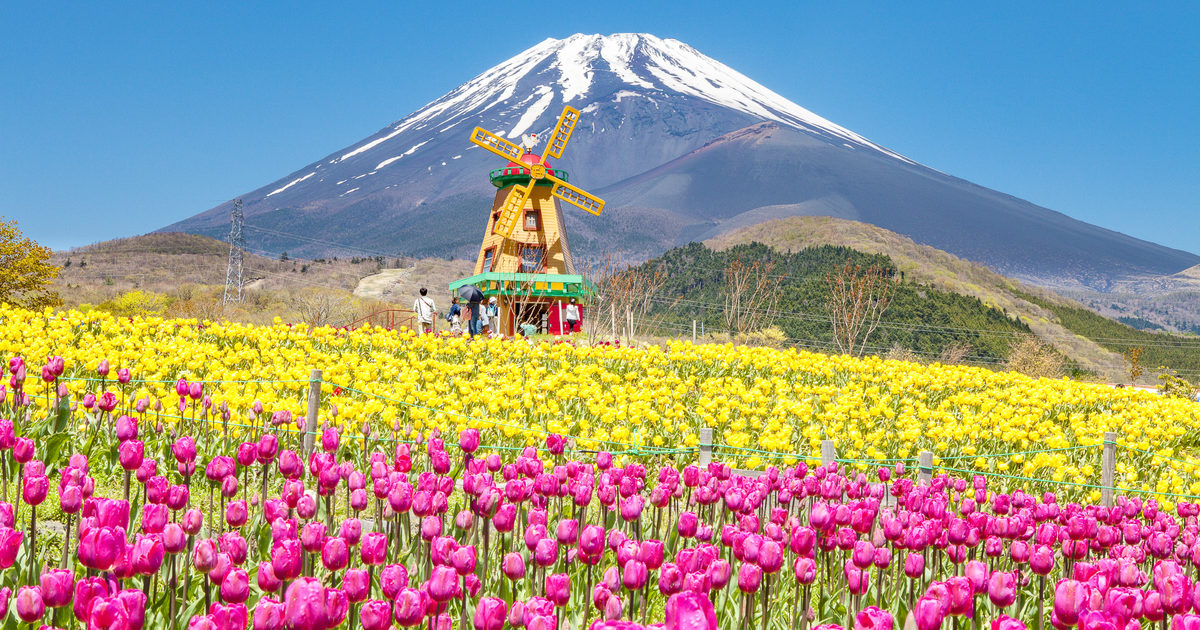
(572, 315)
(475, 326)
(426, 312)
(492, 316)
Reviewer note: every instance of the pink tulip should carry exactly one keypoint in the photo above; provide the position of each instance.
(34, 489)
(268, 614)
(204, 555)
(1069, 600)
(329, 440)
(266, 579)
(236, 513)
(374, 548)
(690, 611)
(375, 615)
(127, 428)
(409, 608)
(749, 578)
(107, 612)
(357, 585)
(393, 579)
(86, 591)
(1002, 588)
(267, 448)
(545, 552)
(184, 449)
(235, 588)
(30, 606)
(468, 441)
(335, 555)
(305, 606)
(56, 586)
(1004, 622)
(558, 588)
(147, 555)
(193, 520)
(873, 618)
(287, 559)
(463, 560)
(443, 584)
(1041, 561)
(23, 450)
(513, 566)
(929, 613)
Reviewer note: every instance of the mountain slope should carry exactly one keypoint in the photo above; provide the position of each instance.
(1094, 342)
(677, 142)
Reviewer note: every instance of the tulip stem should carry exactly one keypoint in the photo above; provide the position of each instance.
(67, 542)
(174, 583)
(4, 466)
(32, 543)
(1041, 600)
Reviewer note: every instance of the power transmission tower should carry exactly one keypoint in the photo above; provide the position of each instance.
(237, 247)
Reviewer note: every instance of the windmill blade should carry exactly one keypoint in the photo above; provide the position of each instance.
(496, 144)
(576, 196)
(510, 213)
(562, 133)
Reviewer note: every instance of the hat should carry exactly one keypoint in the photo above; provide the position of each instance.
(493, 299)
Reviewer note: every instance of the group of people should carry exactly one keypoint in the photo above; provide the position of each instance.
(481, 319)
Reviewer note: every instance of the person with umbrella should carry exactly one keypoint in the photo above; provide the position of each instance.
(474, 297)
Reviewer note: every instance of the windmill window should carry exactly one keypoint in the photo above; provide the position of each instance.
(532, 257)
(531, 219)
(489, 258)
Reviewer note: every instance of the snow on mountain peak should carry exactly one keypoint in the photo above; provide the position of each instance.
(570, 70)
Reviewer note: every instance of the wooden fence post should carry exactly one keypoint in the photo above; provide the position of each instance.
(1108, 468)
(705, 446)
(693, 332)
(310, 419)
(925, 467)
(828, 452)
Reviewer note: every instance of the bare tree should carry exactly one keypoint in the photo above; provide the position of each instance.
(955, 353)
(323, 307)
(1033, 357)
(751, 297)
(857, 299)
(625, 297)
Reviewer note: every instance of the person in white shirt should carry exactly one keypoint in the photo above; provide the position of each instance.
(426, 312)
(572, 316)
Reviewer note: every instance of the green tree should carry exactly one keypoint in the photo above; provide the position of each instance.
(25, 270)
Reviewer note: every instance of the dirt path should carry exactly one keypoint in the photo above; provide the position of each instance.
(387, 285)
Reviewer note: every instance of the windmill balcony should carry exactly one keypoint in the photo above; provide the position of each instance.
(512, 174)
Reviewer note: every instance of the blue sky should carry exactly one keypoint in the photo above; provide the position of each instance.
(118, 118)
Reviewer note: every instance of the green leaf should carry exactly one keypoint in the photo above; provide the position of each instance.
(57, 449)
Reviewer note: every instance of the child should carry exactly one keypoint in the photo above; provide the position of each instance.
(456, 323)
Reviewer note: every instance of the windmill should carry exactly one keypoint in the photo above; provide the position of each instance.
(524, 259)
(537, 171)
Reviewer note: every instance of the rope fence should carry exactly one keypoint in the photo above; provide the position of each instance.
(705, 451)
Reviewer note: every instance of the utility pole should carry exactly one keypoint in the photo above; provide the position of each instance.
(237, 247)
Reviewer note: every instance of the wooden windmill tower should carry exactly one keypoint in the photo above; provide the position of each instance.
(525, 260)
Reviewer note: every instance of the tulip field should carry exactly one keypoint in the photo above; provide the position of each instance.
(158, 473)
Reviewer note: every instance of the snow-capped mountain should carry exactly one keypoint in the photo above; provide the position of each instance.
(682, 146)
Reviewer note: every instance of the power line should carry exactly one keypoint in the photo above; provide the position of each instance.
(325, 242)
